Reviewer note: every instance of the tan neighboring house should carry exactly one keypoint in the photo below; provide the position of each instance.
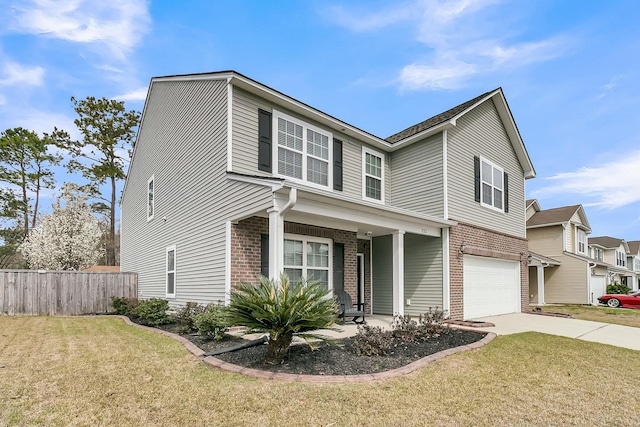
(560, 269)
(618, 257)
(634, 263)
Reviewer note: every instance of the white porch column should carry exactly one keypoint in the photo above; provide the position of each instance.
(398, 272)
(540, 284)
(276, 241)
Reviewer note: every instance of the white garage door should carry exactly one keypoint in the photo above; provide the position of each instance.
(491, 286)
(598, 288)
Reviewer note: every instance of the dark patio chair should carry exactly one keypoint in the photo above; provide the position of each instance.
(346, 308)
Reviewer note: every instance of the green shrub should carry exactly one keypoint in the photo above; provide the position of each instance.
(282, 311)
(123, 305)
(152, 312)
(618, 288)
(185, 315)
(371, 341)
(211, 322)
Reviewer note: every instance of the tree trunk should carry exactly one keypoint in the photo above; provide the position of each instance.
(277, 349)
(111, 246)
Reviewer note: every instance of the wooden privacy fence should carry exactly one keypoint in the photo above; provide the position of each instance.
(67, 293)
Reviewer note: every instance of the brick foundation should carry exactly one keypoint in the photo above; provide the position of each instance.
(483, 242)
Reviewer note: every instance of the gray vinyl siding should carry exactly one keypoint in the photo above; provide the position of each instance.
(417, 183)
(480, 132)
(182, 143)
(382, 275)
(245, 144)
(423, 279)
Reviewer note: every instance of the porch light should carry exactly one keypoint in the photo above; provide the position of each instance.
(462, 248)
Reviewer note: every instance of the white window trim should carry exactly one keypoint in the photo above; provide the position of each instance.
(583, 234)
(153, 202)
(274, 151)
(365, 151)
(482, 203)
(313, 239)
(167, 271)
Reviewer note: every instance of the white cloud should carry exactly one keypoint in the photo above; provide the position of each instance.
(17, 74)
(462, 39)
(139, 94)
(3, 100)
(451, 76)
(605, 186)
(365, 20)
(118, 24)
(39, 121)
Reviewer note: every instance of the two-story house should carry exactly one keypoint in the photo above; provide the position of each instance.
(633, 263)
(562, 270)
(231, 179)
(616, 254)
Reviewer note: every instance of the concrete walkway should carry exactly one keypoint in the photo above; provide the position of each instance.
(605, 333)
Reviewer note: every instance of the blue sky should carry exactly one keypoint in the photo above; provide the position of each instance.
(569, 70)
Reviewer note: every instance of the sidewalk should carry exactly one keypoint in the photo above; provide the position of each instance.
(605, 333)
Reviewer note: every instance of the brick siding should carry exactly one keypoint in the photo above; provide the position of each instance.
(483, 242)
(246, 241)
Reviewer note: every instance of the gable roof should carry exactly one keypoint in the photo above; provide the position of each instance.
(440, 122)
(437, 119)
(608, 242)
(558, 216)
(532, 202)
(634, 246)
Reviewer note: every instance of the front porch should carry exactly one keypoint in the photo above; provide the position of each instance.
(391, 261)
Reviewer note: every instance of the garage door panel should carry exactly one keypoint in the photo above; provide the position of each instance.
(491, 286)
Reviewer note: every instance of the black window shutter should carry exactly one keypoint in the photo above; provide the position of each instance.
(264, 255)
(506, 192)
(476, 171)
(338, 266)
(337, 165)
(264, 141)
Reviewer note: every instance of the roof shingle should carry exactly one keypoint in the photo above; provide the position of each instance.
(553, 216)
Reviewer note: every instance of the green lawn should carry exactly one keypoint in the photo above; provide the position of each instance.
(58, 371)
(618, 316)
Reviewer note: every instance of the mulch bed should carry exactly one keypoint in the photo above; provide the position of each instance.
(335, 360)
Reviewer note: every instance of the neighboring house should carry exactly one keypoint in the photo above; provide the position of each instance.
(616, 254)
(561, 270)
(231, 179)
(633, 263)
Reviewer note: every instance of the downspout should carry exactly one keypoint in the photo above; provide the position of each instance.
(589, 291)
(276, 234)
(293, 199)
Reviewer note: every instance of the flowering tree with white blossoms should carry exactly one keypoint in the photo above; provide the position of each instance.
(67, 239)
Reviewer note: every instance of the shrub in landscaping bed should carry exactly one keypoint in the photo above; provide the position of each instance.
(152, 312)
(211, 322)
(185, 316)
(123, 305)
(618, 288)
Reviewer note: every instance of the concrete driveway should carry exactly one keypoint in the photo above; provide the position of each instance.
(605, 333)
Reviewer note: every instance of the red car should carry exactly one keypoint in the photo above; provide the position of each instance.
(631, 301)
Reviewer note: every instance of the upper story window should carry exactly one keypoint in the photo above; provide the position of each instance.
(303, 151)
(582, 238)
(150, 198)
(636, 263)
(621, 258)
(373, 175)
(492, 180)
(597, 254)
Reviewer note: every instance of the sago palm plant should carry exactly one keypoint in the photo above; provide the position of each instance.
(282, 311)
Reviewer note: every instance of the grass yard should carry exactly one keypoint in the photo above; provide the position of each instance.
(84, 371)
(618, 316)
